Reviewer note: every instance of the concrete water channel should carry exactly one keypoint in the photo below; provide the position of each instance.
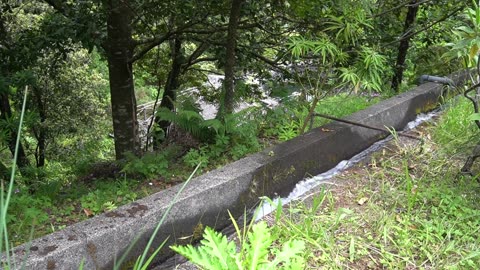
(308, 184)
(305, 188)
(274, 172)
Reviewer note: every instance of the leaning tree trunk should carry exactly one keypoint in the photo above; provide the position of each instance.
(226, 104)
(404, 45)
(39, 131)
(170, 92)
(119, 54)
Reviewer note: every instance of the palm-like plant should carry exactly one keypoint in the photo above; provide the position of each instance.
(467, 44)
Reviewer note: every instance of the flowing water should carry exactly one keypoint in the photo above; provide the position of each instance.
(308, 184)
(178, 262)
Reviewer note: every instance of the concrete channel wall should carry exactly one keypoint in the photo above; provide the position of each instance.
(99, 241)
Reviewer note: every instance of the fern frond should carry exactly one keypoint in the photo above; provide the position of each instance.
(189, 121)
(219, 247)
(289, 256)
(199, 256)
(259, 240)
(215, 252)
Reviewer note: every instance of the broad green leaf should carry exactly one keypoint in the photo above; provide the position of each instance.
(289, 256)
(198, 256)
(474, 117)
(218, 247)
(259, 240)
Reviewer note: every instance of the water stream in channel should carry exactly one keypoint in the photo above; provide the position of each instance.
(308, 184)
(178, 262)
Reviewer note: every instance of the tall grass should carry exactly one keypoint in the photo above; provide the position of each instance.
(456, 131)
(142, 263)
(408, 209)
(5, 197)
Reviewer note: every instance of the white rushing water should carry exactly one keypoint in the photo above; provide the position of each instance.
(306, 185)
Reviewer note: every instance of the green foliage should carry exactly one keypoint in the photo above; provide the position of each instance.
(474, 117)
(81, 155)
(93, 201)
(256, 252)
(6, 193)
(284, 122)
(146, 87)
(197, 156)
(327, 69)
(467, 45)
(323, 47)
(288, 131)
(456, 132)
(148, 166)
(234, 138)
(192, 122)
(25, 211)
(344, 104)
(351, 25)
(370, 68)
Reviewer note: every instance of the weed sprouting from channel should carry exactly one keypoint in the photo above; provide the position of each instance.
(256, 250)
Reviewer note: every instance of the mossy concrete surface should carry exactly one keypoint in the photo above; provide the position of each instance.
(102, 240)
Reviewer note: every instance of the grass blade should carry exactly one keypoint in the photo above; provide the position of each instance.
(152, 237)
(4, 202)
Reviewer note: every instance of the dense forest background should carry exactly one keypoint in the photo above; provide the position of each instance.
(90, 64)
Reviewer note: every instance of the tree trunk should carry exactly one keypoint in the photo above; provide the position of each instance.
(40, 132)
(6, 109)
(4, 172)
(5, 113)
(119, 53)
(170, 92)
(227, 100)
(404, 45)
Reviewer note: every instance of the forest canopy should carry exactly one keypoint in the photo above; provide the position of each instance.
(90, 64)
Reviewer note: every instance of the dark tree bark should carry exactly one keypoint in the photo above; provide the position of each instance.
(170, 91)
(5, 107)
(120, 47)
(4, 172)
(404, 45)
(39, 131)
(226, 104)
(5, 113)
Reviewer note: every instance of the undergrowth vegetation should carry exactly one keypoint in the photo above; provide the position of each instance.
(68, 196)
(256, 250)
(87, 148)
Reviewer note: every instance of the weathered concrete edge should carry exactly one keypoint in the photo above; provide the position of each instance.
(235, 187)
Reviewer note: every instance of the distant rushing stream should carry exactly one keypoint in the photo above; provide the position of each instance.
(306, 185)
(208, 110)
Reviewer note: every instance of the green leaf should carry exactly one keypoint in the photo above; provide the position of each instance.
(215, 251)
(289, 256)
(474, 117)
(260, 240)
(351, 249)
(198, 256)
(150, 259)
(219, 247)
